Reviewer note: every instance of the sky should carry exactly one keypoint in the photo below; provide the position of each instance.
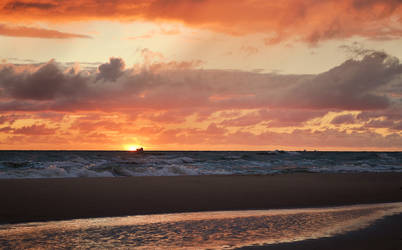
(201, 74)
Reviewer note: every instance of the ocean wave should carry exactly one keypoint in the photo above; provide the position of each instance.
(71, 164)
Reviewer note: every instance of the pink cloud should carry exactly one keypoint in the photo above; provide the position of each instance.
(178, 105)
(22, 31)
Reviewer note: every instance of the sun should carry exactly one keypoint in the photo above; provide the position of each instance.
(132, 147)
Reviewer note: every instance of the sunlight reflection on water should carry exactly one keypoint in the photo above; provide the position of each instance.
(213, 230)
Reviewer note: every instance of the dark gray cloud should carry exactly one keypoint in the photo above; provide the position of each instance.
(354, 85)
(18, 5)
(390, 5)
(112, 70)
(48, 82)
(370, 84)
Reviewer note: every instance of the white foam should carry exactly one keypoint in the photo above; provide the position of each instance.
(115, 164)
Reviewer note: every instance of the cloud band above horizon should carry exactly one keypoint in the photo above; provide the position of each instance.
(168, 104)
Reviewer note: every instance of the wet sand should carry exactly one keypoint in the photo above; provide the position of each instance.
(385, 234)
(26, 200)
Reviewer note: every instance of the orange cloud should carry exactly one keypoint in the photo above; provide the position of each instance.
(173, 105)
(36, 129)
(308, 20)
(21, 31)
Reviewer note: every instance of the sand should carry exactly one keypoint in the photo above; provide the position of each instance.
(26, 200)
(385, 234)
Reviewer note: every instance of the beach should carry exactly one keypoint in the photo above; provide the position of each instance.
(30, 200)
(25, 200)
(384, 234)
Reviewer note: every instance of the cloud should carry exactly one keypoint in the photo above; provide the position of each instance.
(274, 118)
(354, 85)
(112, 70)
(299, 138)
(11, 118)
(3, 119)
(165, 101)
(86, 125)
(342, 119)
(36, 129)
(18, 5)
(46, 83)
(307, 20)
(22, 31)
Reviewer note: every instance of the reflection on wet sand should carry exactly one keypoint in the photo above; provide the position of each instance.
(216, 230)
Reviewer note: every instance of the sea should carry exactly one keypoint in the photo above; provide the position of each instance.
(72, 164)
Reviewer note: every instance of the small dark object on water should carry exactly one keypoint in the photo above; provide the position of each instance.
(139, 150)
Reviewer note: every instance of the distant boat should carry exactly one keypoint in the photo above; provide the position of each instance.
(139, 150)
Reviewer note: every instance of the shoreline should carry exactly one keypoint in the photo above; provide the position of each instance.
(28, 200)
(383, 234)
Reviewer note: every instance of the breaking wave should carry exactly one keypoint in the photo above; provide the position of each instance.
(67, 164)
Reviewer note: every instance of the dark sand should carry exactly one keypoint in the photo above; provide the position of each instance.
(25, 200)
(54, 199)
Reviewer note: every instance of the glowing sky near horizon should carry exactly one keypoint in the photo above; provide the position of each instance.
(201, 74)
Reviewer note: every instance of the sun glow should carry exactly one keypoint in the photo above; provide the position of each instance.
(132, 147)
